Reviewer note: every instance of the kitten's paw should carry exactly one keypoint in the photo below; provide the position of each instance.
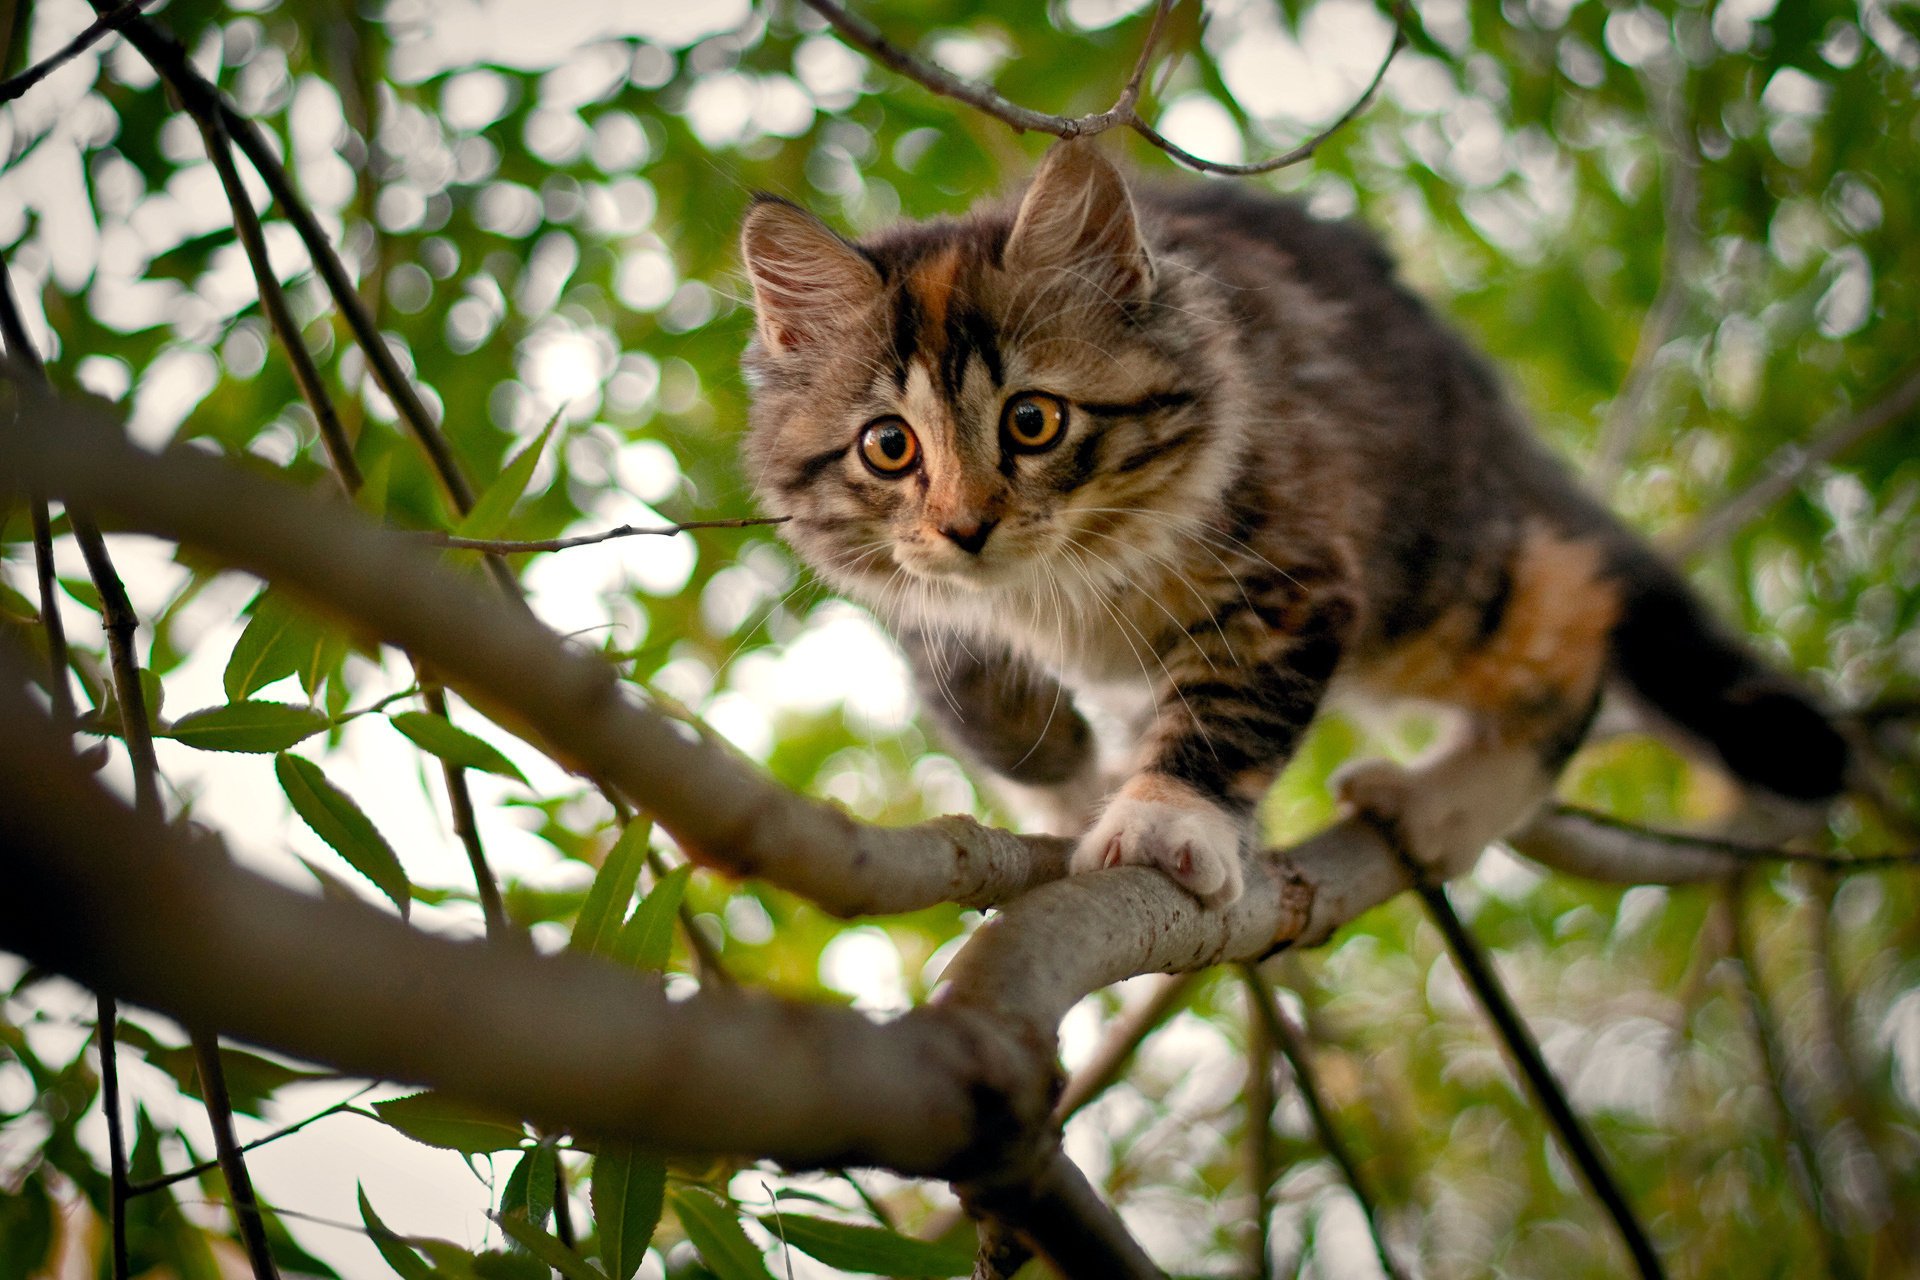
(1434, 829)
(1163, 825)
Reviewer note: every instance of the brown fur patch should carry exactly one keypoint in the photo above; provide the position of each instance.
(1545, 659)
(932, 285)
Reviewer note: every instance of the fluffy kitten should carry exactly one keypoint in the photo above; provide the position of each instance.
(1191, 455)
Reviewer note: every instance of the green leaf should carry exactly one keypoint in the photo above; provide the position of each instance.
(548, 1250)
(871, 1250)
(599, 923)
(489, 514)
(628, 1189)
(261, 727)
(529, 1191)
(26, 1229)
(335, 818)
(437, 735)
(85, 592)
(715, 1231)
(407, 1264)
(438, 1122)
(279, 640)
(648, 937)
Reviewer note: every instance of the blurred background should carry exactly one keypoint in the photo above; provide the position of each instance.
(1685, 231)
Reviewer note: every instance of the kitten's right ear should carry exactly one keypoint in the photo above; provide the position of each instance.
(808, 283)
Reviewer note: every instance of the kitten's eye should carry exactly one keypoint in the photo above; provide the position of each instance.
(889, 447)
(1033, 421)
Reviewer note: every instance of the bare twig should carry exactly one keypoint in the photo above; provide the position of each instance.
(213, 1087)
(118, 1191)
(1124, 113)
(94, 32)
(1292, 1043)
(1567, 1126)
(1798, 1129)
(274, 301)
(1124, 1036)
(165, 1180)
(1782, 473)
(502, 546)
(1258, 1103)
(1596, 846)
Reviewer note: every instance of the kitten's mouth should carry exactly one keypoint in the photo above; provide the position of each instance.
(979, 571)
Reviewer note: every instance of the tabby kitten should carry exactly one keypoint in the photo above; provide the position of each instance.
(1185, 459)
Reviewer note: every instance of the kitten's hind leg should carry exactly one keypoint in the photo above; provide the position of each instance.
(1014, 721)
(1528, 677)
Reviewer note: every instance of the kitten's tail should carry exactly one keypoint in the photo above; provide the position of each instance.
(1769, 731)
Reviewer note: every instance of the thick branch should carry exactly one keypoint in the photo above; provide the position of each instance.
(528, 678)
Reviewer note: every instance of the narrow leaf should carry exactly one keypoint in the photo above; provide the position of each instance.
(599, 923)
(529, 1191)
(716, 1233)
(648, 937)
(262, 727)
(407, 1264)
(434, 734)
(489, 514)
(849, 1246)
(429, 1118)
(335, 818)
(549, 1250)
(279, 640)
(628, 1189)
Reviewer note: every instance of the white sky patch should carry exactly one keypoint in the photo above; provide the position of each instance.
(842, 657)
(1198, 124)
(1310, 80)
(864, 963)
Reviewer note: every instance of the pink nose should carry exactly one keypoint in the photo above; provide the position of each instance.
(970, 536)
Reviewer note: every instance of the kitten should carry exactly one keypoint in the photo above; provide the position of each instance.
(1191, 455)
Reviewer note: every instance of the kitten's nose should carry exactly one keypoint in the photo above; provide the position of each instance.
(970, 537)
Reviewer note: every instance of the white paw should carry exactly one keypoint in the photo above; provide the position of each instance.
(1192, 840)
(1438, 829)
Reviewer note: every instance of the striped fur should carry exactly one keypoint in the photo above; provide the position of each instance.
(1277, 471)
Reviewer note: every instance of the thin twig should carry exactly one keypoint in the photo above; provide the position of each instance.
(213, 1086)
(1292, 1043)
(1740, 854)
(1124, 113)
(1782, 473)
(562, 1210)
(1305, 150)
(1124, 1036)
(467, 828)
(165, 1180)
(118, 1191)
(94, 32)
(1547, 1093)
(20, 348)
(1797, 1128)
(120, 623)
(274, 301)
(504, 547)
(1259, 1104)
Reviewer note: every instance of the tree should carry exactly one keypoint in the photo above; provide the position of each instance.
(481, 287)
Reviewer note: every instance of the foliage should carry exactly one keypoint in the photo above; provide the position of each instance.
(539, 203)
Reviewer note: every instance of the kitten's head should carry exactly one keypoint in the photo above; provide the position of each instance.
(977, 406)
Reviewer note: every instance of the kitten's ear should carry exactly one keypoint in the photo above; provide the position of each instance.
(808, 283)
(1077, 216)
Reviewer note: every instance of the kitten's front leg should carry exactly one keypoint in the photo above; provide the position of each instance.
(1234, 706)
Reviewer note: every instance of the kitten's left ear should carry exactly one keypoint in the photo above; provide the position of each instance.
(1077, 216)
(808, 283)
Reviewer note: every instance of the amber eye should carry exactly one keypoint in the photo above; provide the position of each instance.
(889, 447)
(1033, 421)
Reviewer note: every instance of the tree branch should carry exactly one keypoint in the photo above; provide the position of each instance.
(233, 1166)
(1292, 1043)
(1594, 846)
(502, 546)
(110, 20)
(1124, 113)
(1524, 1051)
